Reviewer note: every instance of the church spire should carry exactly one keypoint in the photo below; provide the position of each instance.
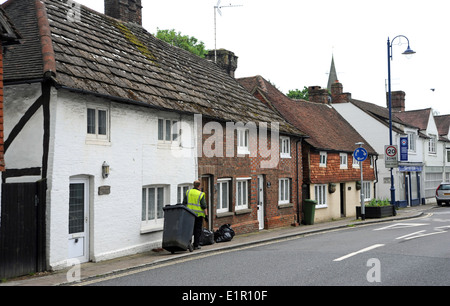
(332, 78)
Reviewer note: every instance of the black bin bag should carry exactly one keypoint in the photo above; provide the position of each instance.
(207, 237)
(224, 233)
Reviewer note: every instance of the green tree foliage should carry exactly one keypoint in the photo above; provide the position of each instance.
(299, 94)
(185, 42)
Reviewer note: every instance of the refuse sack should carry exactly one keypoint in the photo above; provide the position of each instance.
(224, 233)
(207, 237)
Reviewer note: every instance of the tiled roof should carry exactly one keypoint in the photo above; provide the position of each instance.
(380, 113)
(326, 128)
(443, 124)
(418, 118)
(23, 61)
(104, 56)
(9, 33)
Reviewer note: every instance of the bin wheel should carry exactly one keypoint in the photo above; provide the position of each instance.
(191, 247)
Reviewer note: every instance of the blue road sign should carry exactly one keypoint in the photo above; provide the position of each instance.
(360, 154)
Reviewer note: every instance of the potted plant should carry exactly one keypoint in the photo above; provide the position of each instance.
(377, 209)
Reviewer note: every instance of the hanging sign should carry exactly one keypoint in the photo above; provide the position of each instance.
(403, 148)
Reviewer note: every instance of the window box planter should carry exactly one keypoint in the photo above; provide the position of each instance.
(373, 212)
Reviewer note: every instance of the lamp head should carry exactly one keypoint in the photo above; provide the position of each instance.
(408, 51)
(105, 170)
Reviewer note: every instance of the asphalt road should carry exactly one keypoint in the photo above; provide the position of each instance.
(406, 253)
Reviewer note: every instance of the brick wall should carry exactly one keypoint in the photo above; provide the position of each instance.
(246, 166)
(281, 215)
(332, 173)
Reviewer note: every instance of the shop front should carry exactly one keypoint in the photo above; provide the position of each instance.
(410, 185)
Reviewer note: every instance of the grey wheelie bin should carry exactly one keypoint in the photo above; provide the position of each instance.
(178, 228)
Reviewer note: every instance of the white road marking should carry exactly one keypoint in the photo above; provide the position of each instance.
(423, 235)
(410, 234)
(439, 230)
(442, 228)
(359, 252)
(400, 225)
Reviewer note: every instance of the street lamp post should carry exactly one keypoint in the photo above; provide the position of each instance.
(408, 51)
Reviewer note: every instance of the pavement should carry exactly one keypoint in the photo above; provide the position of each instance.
(94, 270)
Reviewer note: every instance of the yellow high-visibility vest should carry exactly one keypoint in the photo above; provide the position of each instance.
(194, 197)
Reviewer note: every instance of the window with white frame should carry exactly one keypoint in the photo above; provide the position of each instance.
(243, 136)
(97, 123)
(223, 195)
(242, 185)
(432, 144)
(284, 191)
(285, 147)
(343, 160)
(320, 192)
(366, 190)
(153, 200)
(182, 190)
(323, 159)
(168, 130)
(355, 163)
(412, 142)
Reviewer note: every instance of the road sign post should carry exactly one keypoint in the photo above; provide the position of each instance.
(391, 161)
(360, 154)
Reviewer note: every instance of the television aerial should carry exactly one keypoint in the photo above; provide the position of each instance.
(218, 9)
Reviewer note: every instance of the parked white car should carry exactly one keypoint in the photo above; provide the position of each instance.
(443, 194)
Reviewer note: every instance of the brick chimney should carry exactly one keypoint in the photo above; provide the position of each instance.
(318, 94)
(398, 101)
(337, 94)
(227, 60)
(125, 10)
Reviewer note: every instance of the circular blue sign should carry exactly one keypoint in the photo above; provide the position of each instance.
(360, 154)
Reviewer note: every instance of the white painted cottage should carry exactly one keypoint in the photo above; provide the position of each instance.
(72, 135)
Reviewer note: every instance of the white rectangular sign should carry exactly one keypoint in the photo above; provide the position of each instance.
(391, 156)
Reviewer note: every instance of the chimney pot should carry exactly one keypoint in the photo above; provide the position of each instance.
(125, 10)
(318, 95)
(398, 101)
(337, 93)
(226, 60)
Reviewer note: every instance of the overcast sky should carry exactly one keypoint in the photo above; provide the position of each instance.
(291, 42)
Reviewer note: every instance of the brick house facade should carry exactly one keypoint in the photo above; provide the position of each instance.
(329, 175)
(247, 171)
(273, 171)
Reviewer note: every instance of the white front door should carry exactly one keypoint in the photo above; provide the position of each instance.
(79, 220)
(261, 201)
